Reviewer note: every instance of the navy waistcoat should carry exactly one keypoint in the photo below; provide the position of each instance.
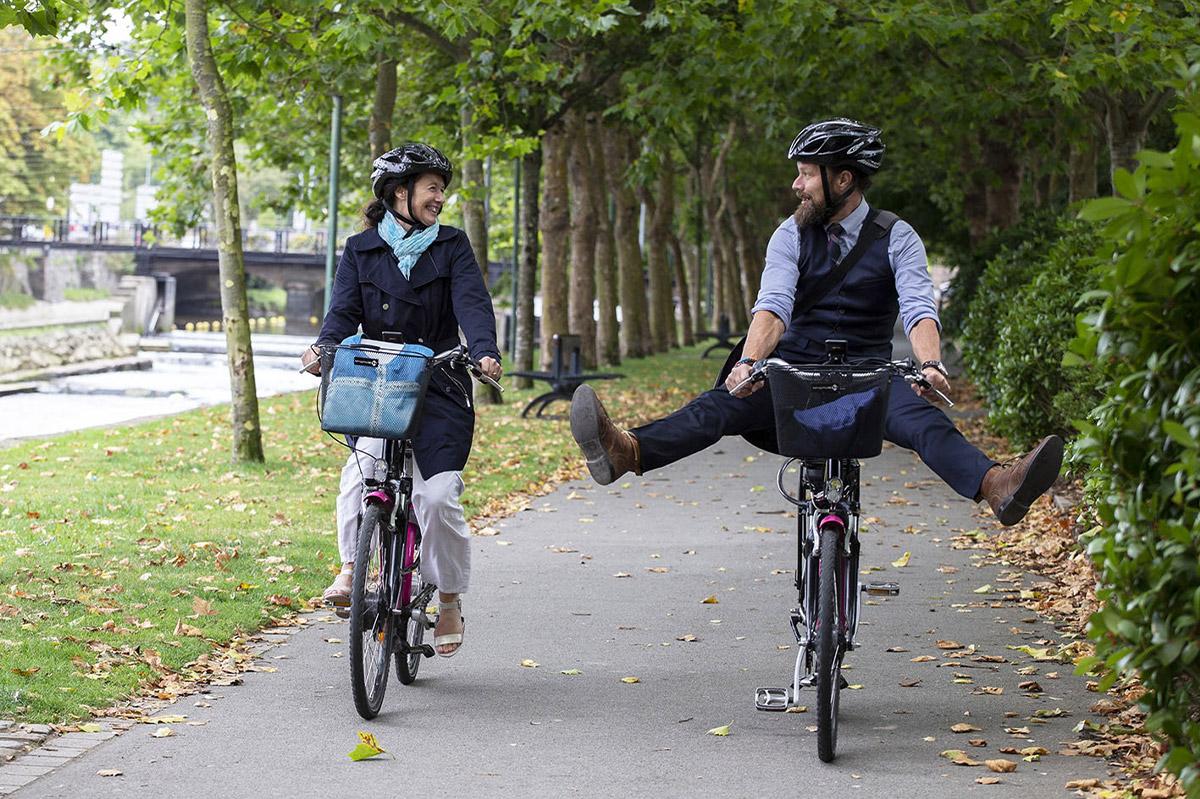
(861, 309)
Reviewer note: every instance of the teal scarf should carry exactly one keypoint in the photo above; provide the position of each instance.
(407, 248)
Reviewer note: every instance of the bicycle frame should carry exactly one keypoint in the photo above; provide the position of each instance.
(825, 513)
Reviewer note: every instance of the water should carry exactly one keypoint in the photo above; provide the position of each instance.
(193, 374)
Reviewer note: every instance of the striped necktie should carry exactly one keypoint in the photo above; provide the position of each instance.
(834, 233)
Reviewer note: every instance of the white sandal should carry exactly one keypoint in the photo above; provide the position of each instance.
(337, 595)
(450, 638)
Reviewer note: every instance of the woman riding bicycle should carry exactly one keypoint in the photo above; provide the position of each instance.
(413, 278)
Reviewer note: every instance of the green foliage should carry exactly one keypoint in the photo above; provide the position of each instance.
(1018, 326)
(38, 17)
(84, 294)
(1144, 438)
(15, 300)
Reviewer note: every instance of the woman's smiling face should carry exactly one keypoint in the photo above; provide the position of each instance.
(428, 197)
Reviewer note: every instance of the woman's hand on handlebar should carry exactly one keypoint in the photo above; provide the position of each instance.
(491, 367)
(310, 360)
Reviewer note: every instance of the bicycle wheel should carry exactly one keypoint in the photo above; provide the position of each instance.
(412, 594)
(371, 627)
(828, 656)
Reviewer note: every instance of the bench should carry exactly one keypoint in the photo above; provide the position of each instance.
(726, 338)
(565, 375)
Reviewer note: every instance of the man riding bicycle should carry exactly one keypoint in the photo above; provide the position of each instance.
(835, 269)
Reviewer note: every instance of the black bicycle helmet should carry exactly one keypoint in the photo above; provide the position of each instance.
(839, 142)
(406, 162)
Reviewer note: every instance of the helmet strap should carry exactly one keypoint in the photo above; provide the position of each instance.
(832, 206)
(411, 219)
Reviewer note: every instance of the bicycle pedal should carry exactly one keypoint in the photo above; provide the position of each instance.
(773, 699)
(881, 589)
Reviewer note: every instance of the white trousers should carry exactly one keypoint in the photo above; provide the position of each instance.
(445, 537)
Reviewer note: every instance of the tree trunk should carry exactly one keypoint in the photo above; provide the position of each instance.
(1126, 118)
(474, 193)
(661, 207)
(656, 270)
(692, 253)
(974, 201)
(631, 288)
(583, 237)
(1003, 193)
(555, 224)
(379, 129)
(749, 266)
(1081, 170)
(247, 435)
(684, 288)
(531, 169)
(608, 339)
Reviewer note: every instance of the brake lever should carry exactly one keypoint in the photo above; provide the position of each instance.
(923, 383)
(478, 374)
(753, 378)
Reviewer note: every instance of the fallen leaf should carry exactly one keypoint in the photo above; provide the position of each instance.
(984, 589)
(26, 672)
(988, 780)
(797, 709)
(163, 720)
(1000, 765)
(571, 672)
(959, 758)
(977, 742)
(689, 638)
(109, 772)
(992, 690)
(202, 607)
(902, 561)
(186, 629)
(948, 645)
(855, 686)
(963, 727)
(1046, 713)
(162, 732)
(721, 731)
(622, 574)
(367, 747)
(910, 683)
(657, 569)
(1075, 785)
(1031, 686)
(710, 600)
(922, 659)
(530, 664)
(630, 680)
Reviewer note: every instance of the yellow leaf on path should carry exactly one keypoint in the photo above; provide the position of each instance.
(902, 561)
(710, 600)
(530, 664)
(797, 709)
(109, 772)
(855, 686)
(922, 659)
(959, 758)
(88, 728)
(367, 747)
(949, 645)
(162, 732)
(163, 719)
(1000, 765)
(630, 680)
(988, 780)
(964, 728)
(721, 731)
(571, 672)
(984, 589)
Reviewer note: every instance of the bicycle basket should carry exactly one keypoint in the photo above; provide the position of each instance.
(829, 411)
(372, 388)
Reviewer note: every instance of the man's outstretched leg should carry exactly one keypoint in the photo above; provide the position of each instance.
(610, 451)
(1010, 489)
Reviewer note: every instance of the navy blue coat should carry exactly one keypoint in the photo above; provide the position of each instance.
(444, 291)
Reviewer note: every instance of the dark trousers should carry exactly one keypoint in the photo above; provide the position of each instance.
(912, 422)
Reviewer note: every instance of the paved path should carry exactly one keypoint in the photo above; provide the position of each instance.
(482, 725)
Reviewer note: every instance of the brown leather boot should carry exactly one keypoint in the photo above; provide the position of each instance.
(1010, 489)
(610, 451)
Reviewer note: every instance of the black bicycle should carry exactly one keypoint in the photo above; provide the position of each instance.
(389, 601)
(827, 417)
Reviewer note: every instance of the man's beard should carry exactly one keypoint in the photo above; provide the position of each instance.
(811, 212)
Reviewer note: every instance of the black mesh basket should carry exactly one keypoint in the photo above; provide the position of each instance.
(829, 411)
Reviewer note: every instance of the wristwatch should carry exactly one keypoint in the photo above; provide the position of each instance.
(941, 367)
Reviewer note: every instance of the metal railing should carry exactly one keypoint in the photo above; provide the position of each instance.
(138, 235)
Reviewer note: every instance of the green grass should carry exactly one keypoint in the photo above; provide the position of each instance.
(110, 539)
(15, 300)
(84, 295)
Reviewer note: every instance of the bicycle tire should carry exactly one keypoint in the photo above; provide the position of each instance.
(828, 661)
(407, 665)
(371, 625)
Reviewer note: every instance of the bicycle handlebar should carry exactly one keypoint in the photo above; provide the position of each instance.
(905, 368)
